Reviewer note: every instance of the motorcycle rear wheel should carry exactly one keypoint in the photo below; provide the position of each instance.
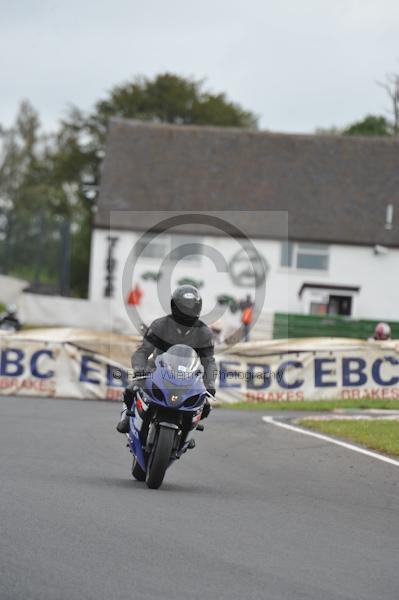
(160, 458)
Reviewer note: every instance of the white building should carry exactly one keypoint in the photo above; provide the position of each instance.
(321, 211)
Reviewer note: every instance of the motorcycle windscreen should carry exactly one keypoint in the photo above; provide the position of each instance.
(182, 361)
(181, 372)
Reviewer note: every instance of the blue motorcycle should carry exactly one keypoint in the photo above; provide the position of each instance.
(167, 409)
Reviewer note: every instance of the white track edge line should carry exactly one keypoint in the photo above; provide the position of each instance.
(326, 438)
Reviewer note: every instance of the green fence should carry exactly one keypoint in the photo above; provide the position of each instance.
(297, 326)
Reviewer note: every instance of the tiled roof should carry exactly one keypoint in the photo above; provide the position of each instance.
(335, 188)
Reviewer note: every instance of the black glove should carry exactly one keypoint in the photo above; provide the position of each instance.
(129, 396)
(206, 410)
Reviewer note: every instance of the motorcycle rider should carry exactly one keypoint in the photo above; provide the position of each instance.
(9, 319)
(182, 326)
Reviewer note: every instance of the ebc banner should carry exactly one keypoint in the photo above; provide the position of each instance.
(63, 364)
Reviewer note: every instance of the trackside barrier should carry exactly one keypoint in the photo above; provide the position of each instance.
(287, 325)
(68, 363)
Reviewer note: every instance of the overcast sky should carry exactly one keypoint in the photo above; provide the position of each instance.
(298, 64)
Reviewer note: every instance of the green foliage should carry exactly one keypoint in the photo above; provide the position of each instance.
(378, 434)
(315, 405)
(40, 191)
(371, 125)
(48, 184)
(168, 98)
(80, 141)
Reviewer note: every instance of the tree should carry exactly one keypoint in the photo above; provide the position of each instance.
(169, 98)
(391, 86)
(371, 125)
(79, 147)
(23, 194)
(41, 201)
(48, 184)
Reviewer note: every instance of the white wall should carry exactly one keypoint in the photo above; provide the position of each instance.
(375, 274)
(55, 311)
(11, 288)
(215, 283)
(348, 265)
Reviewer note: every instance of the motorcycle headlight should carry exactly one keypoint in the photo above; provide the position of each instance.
(175, 399)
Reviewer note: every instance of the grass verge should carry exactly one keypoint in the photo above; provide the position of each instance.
(312, 405)
(378, 434)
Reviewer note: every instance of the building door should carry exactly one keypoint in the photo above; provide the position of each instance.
(340, 305)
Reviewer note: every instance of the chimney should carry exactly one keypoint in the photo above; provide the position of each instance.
(389, 216)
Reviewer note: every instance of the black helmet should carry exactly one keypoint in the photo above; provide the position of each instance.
(186, 304)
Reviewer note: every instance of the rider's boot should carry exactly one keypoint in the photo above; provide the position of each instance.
(123, 425)
(128, 401)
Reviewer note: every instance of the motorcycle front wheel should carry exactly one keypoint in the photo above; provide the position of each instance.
(160, 458)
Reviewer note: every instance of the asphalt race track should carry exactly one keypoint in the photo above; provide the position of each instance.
(254, 512)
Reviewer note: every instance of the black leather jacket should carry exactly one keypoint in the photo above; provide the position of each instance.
(166, 332)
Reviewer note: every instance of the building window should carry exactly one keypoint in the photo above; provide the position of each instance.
(186, 247)
(340, 305)
(304, 255)
(147, 247)
(318, 308)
